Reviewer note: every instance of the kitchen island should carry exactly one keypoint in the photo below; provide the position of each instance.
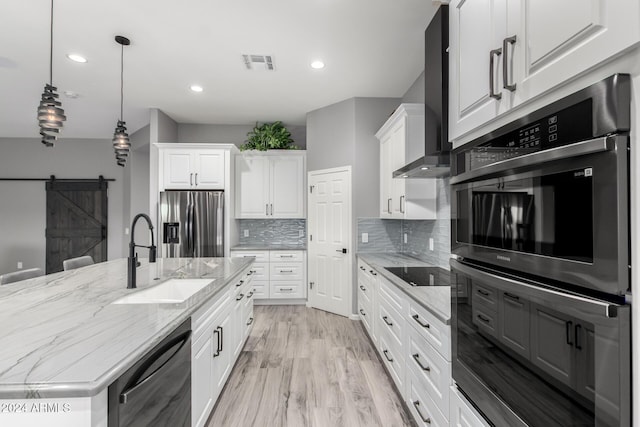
(63, 341)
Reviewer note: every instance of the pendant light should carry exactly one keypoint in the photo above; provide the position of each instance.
(121, 143)
(50, 115)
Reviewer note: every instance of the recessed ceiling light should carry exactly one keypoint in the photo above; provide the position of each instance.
(76, 58)
(71, 94)
(317, 65)
(196, 88)
(405, 176)
(424, 168)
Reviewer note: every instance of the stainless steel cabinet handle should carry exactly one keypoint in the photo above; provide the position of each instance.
(402, 204)
(417, 319)
(190, 179)
(492, 55)
(505, 63)
(483, 318)
(386, 321)
(483, 292)
(568, 326)
(196, 180)
(576, 334)
(216, 332)
(416, 357)
(512, 296)
(389, 205)
(386, 354)
(416, 404)
(240, 297)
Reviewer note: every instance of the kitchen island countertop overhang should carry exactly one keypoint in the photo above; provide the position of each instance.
(62, 336)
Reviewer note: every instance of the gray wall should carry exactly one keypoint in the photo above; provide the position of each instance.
(416, 92)
(230, 134)
(22, 211)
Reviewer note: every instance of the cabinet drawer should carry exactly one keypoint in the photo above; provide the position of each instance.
(430, 328)
(392, 358)
(365, 293)
(392, 322)
(259, 271)
(366, 316)
(286, 271)
(260, 289)
(462, 413)
(430, 370)
(484, 295)
(260, 256)
(296, 256)
(485, 320)
(392, 294)
(205, 313)
(423, 409)
(286, 290)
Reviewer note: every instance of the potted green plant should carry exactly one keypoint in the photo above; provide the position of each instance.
(269, 136)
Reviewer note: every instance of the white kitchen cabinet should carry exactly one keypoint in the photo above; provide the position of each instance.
(271, 184)
(223, 332)
(401, 142)
(276, 274)
(193, 169)
(525, 49)
(202, 383)
(368, 298)
(462, 413)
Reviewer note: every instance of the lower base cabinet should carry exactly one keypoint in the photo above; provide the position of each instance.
(462, 413)
(220, 330)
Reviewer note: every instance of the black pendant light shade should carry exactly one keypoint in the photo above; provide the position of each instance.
(50, 113)
(121, 144)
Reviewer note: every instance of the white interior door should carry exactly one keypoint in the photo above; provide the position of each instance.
(330, 254)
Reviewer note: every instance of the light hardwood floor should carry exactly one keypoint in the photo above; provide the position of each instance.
(305, 367)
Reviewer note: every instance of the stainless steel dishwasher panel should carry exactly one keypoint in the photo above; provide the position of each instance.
(156, 391)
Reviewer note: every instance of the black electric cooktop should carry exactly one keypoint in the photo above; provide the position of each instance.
(422, 276)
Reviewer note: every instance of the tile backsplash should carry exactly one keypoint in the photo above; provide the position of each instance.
(387, 235)
(273, 231)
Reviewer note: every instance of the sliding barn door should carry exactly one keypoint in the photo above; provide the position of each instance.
(76, 221)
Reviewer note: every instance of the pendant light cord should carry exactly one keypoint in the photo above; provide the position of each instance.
(121, 81)
(51, 49)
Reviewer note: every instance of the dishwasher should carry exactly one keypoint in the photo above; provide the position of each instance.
(156, 391)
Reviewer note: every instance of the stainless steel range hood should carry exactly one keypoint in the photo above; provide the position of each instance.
(435, 163)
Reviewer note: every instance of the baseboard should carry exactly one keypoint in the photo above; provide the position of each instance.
(354, 316)
(281, 301)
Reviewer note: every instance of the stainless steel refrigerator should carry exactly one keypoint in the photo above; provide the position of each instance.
(192, 224)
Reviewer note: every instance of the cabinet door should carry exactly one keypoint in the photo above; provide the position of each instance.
(398, 140)
(287, 187)
(178, 169)
(237, 313)
(462, 413)
(252, 186)
(209, 170)
(223, 334)
(551, 342)
(585, 349)
(476, 28)
(202, 398)
(385, 176)
(557, 41)
(513, 323)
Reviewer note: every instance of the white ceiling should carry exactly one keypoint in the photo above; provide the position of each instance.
(372, 48)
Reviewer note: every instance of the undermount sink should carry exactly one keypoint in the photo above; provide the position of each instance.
(172, 291)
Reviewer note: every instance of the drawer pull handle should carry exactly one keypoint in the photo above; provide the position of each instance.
(386, 321)
(286, 271)
(250, 295)
(386, 354)
(250, 321)
(286, 289)
(239, 283)
(285, 256)
(253, 271)
(512, 296)
(416, 404)
(362, 268)
(483, 318)
(363, 288)
(240, 297)
(417, 319)
(416, 357)
(483, 292)
(362, 312)
(373, 272)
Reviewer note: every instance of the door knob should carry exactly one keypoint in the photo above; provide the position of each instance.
(343, 250)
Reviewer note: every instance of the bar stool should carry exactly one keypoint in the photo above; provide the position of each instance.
(16, 276)
(73, 263)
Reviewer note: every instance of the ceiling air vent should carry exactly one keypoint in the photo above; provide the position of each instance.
(258, 62)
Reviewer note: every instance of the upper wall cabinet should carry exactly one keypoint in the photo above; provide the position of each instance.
(503, 53)
(270, 184)
(401, 142)
(193, 169)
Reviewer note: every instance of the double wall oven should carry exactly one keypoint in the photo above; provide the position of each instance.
(540, 238)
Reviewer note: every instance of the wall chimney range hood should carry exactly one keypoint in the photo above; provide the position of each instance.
(435, 163)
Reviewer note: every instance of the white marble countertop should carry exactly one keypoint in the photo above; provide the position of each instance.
(436, 299)
(60, 336)
(268, 247)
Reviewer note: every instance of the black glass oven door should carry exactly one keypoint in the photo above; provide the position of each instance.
(534, 356)
(565, 220)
